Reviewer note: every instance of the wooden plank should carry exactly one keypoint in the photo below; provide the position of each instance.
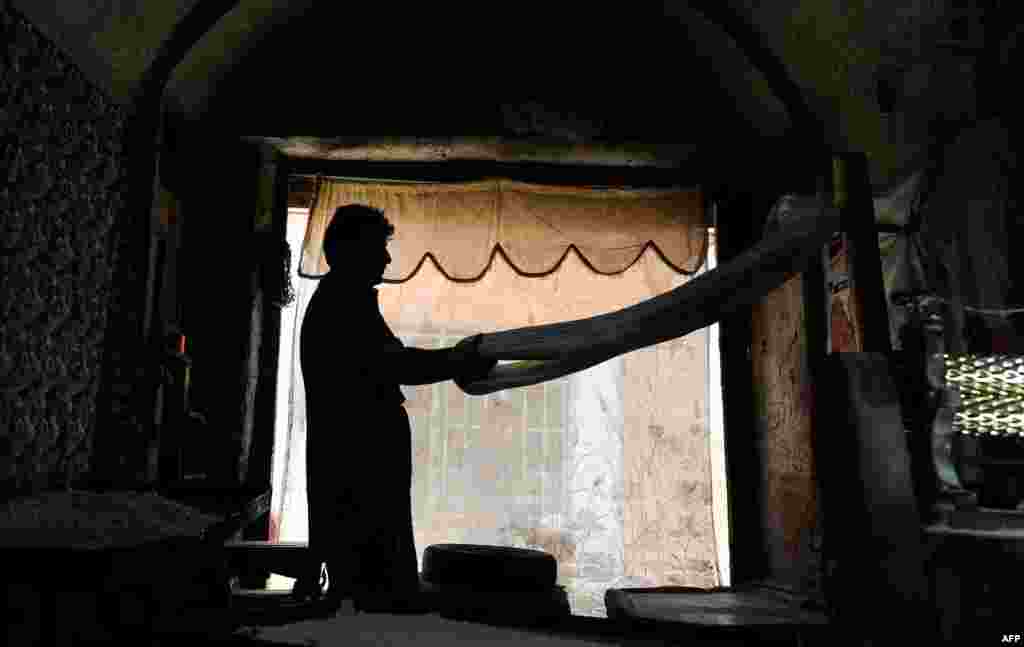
(572, 346)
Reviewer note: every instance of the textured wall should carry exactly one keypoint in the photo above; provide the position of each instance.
(114, 41)
(60, 146)
(668, 522)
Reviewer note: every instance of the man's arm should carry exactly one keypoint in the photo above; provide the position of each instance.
(410, 366)
(413, 366)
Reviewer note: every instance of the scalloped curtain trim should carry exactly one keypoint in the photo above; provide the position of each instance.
(461, 227)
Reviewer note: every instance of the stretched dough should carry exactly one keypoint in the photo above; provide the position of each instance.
(551, 351)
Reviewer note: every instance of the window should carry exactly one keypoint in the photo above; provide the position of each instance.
(617, 471)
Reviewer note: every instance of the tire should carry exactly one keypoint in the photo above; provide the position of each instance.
(516, 609)
(489, 568)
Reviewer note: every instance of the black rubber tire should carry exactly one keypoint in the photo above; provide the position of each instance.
(489, 568)
(520, 609)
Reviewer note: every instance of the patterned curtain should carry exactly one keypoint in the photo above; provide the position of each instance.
(461, 226)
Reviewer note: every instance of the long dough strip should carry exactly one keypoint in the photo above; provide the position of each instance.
(567, 347)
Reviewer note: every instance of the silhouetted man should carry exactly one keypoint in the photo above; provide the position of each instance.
(358, 438)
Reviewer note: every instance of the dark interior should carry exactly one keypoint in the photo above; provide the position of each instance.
(135, 140)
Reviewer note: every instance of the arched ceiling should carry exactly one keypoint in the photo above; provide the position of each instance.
(651, 80)
(600, 78)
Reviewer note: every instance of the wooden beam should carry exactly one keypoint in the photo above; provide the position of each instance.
(808, 129)
(513, 148)
(683, 175)
(302, 174)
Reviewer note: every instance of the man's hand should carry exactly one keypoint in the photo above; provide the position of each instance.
(470, 365)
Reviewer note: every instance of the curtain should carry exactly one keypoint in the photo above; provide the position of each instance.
(288, 466)
(607, 469)
(462, 226)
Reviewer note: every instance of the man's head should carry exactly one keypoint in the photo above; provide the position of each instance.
(356, 242)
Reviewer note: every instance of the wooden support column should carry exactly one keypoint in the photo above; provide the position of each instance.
(742, 218)
(857, 211)
(817, 315)
(817, 296)
(247, 203)
(258, 476)
(874, 554)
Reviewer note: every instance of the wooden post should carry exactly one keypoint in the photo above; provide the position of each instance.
(742, 219)
(857, 212)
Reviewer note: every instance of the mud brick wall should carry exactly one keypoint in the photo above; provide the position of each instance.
(61, 162)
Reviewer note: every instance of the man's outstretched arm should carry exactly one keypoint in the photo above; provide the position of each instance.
(412, 366)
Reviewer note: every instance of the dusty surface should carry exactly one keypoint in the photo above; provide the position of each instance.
(349, 628)
(93, 521)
